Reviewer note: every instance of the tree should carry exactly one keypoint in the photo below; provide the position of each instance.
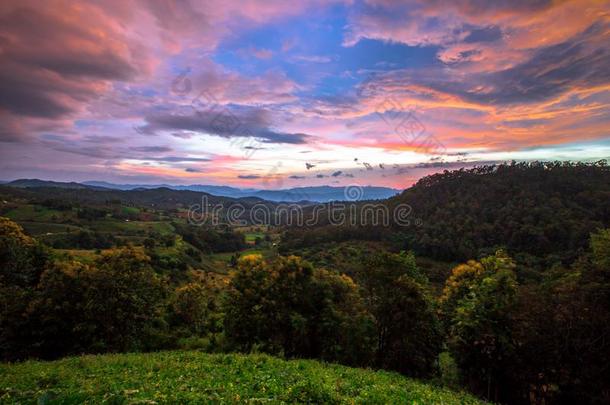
(15, 338)
(344, 327)
(288, 307)
(408, 332)
(600, 248)
(410, 341)
(57, 319)
(123, 301)
(22, 259)
(247, 304)
(562, 330)
(149, 243)
(478, 300)
(462, 280)
(195, 307)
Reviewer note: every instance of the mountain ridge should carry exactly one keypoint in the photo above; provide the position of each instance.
(296, 194)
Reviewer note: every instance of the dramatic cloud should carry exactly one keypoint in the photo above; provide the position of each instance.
(580, 63)
(177, 159)
(173, 91)
(224, 122)
(51, 63)
(152, 149)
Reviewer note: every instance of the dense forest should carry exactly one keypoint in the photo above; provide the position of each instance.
(504, 288)
(541, 212)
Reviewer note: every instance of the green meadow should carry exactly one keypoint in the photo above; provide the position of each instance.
(195, 377)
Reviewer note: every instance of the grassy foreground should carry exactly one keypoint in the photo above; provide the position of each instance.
(194, 377)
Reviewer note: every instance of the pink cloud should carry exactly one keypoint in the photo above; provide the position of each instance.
(43, 81)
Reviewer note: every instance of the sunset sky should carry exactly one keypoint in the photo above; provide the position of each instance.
(278, 94)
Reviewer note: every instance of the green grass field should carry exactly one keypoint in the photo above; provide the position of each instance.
(226, 257)
(36, 213)
(38, 229)
(251, 237)
(220, 261)
(131, 227)
(83, 255)
(194, 377)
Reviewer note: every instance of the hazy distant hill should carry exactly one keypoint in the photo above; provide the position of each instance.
(315, 194)
(299, 194)
(30, 183)
(162, 198)
(222, 191)
(326, 194)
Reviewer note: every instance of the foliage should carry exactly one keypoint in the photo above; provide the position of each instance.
(600, 247)
(562, 330)
(115, 304)
(84, 240)
(211, 240)
(289, 307)
(540, 212)
(477, 302)
(407, 329)
(14, 325)
(195, 315)
(541, 209)
(22, 259)
(123, 298)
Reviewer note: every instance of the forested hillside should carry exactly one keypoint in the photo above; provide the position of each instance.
(542, 209)
(539, 212)
(159, 198)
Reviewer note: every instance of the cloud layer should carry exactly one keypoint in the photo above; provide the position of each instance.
(300, 93)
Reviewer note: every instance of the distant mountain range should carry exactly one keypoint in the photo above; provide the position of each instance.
(313, 194)
(31, 183)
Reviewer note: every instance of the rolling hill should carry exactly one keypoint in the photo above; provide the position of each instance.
(35, 183)
(162, 198)
(194, 377)
(298, 194)
(541, 211)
